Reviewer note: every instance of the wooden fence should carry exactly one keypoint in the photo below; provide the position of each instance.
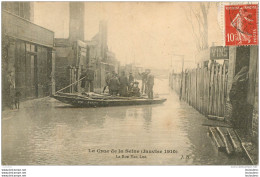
(205, 89)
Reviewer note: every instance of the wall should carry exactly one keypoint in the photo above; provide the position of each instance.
(231, 74)
(21, 9)
(19, 28)
(64, 58)
(252, 92)
(27, 58)
(252, 96)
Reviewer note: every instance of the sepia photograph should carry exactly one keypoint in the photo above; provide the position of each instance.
(129, 83)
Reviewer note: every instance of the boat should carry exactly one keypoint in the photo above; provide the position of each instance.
(103, 100)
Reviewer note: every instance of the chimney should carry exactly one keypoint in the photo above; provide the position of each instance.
(103, 38)
(76, 28)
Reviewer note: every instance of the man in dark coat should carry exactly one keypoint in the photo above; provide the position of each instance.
(90, 75)
(114, 85)
(150, 83)
(131, 78)
(123, 84)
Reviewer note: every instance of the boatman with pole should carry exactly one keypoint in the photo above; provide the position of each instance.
(150, 83)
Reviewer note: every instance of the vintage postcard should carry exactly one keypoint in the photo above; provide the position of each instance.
(129, 83)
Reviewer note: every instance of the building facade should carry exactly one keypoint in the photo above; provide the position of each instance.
(74, 55)
(22, 9)
(27, 55)
(240, 56)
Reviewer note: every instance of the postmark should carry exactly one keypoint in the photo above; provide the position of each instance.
(241, 26)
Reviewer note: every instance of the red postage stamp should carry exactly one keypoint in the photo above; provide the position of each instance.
(241, 24)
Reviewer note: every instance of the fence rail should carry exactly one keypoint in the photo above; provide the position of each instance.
(205, 89)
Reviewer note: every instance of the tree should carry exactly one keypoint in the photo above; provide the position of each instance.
(197, 16)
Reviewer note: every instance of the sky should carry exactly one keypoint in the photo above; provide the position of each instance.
(147, 33)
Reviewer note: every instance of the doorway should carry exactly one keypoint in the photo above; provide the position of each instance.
(242, 57)
(31, 72)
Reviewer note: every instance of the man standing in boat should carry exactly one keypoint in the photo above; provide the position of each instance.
(90, 75)
(123, 84)
(131, 78)
(114, 84)
(150, 83)
(144, 79)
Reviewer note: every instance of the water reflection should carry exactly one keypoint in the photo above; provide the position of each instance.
(147, 115)
(51, 134)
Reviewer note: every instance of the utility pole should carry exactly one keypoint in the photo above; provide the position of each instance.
(182, 60)
(181, 77)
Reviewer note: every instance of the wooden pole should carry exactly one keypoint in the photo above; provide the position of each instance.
(70, 84)
(181, 77)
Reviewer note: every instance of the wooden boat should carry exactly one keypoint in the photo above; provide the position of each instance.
(99, 100)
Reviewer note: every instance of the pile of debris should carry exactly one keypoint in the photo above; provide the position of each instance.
(226, 140)
(231, 141)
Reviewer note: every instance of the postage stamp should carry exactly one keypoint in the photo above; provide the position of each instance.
(241, 25)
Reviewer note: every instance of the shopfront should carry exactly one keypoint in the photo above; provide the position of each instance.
(27, 59)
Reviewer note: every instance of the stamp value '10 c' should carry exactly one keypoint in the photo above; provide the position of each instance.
(241, 25)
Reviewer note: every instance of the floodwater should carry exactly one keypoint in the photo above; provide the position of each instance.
(48, 132)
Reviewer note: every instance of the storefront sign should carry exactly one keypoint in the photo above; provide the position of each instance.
(219, 52)
(20, 28)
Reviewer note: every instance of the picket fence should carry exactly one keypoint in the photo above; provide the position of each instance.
(205, 89)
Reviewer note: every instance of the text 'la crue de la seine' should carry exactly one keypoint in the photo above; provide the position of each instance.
(131, 153)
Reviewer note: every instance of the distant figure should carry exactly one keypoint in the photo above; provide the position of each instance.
(12, 92)
(144, 79)
(150, 83)
(114, 85)
(123, 80)
(17, 99)
(90, 75)
(131, 78)
(107, 79)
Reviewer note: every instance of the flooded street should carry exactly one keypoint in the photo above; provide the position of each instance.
(48, 132)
